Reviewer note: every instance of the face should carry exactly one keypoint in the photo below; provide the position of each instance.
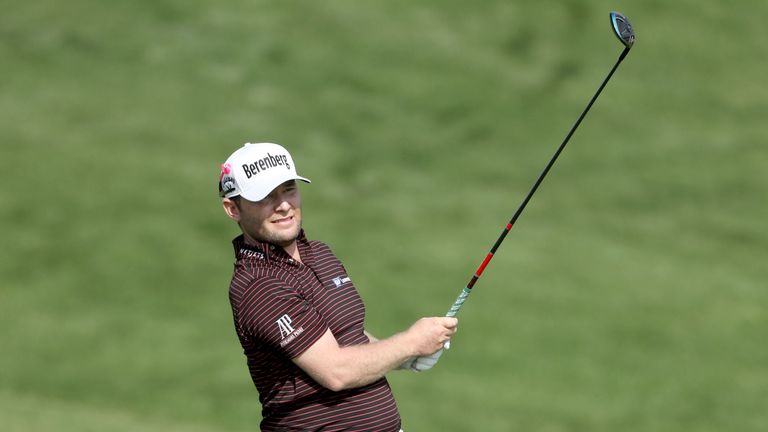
(275, 219)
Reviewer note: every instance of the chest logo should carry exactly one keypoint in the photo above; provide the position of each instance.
(339, 281)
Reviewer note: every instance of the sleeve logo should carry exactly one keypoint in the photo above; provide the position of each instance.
(287, 332)
(284, 324)
(340, 281)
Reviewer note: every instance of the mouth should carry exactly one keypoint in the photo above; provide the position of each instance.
(283, 221)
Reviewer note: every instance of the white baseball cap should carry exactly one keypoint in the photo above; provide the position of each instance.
(255, 170)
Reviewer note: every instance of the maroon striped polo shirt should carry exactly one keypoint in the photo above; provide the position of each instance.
(280, 308)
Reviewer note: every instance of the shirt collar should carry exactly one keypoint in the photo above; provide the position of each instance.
(262, 250)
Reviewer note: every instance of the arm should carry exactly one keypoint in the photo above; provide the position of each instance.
(406, 365)
(338, 368)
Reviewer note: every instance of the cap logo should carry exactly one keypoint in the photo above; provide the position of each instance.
(226, 179)
(264, 164)
(225, 169)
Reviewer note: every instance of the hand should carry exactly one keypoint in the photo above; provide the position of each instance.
(429, 334)
(420, 364)
(436, 333)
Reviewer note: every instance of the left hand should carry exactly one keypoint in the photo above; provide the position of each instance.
(420, 364)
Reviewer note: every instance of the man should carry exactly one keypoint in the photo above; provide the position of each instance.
(299, 318)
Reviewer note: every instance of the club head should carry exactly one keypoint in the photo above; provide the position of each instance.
(622, 29)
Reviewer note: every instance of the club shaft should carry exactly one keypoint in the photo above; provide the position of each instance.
(479, 272)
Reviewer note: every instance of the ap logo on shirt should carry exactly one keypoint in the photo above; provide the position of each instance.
(287, 333)
(284, 324)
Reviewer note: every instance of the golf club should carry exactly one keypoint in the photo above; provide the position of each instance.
(623, 30)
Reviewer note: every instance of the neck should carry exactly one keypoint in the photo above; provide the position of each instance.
(293, 250)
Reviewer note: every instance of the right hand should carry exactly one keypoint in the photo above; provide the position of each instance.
(429, 334)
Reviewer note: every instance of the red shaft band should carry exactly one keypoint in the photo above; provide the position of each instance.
(481, 269)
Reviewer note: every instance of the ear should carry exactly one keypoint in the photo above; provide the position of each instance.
(231, 209)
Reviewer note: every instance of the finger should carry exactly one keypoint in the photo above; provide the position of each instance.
(450, 322)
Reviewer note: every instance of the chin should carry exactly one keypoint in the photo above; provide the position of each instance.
(284, 238)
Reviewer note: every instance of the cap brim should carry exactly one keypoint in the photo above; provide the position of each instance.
(260, 195)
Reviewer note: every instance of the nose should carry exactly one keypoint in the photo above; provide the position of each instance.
(282, 204)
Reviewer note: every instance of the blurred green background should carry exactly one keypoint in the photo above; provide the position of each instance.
(630, 296)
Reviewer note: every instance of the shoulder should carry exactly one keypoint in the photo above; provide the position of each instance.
(257, 283)
(318, 245)
(321, 249)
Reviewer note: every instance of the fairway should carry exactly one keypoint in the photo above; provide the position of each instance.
(631, 294)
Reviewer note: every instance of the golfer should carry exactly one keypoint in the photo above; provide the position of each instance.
(298, 316)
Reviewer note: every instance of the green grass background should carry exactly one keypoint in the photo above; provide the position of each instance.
(630, 296)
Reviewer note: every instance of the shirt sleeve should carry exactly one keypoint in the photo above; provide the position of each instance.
(276, 315)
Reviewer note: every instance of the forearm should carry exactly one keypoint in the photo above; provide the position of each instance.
(338, 368)
(364, 364)
(354, 366)
(407, 364)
